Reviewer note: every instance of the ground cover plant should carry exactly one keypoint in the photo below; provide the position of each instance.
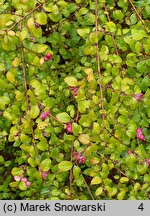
(75, 99)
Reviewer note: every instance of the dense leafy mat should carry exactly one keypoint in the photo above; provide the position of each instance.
(74, 99)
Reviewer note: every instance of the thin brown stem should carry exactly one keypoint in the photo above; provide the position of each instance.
(138, 15)
(124, 174)
(26, 89)
(56, 119)
(121, 172)
(88, 189)
(98, 67)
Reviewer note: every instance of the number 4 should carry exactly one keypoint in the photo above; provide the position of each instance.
(141, 207)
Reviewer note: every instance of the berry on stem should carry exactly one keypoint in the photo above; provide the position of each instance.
(74, 90)
(129, 152)
(139, 134)
(141, 137)
(48, 57)
(139, 131)
(24, 179)
(17, 178)
(27, 183)
(69, 127)
(79, 158)
(43, 174)
(147, 161)
(44, 115)
(138, 97)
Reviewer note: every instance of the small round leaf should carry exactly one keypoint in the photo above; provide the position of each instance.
(65, 166)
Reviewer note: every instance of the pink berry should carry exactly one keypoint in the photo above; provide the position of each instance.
(48, 57)
(69, 127)
(138, 96)
(75, 155)
(82, 159)
(139, 131)
(74, 90)
(24, 179)
(45, 58)
(44, 115)
(147, 161)
(44, 174)
(17, 178)
(27, 183)
(130, 152)
(141, 137)
(79, 158)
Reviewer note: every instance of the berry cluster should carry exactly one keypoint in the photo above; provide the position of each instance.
(139, 134)
(74, 90)
(147, 161)
(138, 97)
(43, 174)
(48, 57)
(44, 115)
(130, 152)
(79, 158)
(69, 127)
(21, 178)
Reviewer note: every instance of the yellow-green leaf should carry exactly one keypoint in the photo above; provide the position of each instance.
(96, 180)
(34, 112)
(41, 18)
(22, 186)
(99, 191)
(63, 117)
(84, 138)
(83, 32)
(39, 48)
(65, 166)
(16, 171)
(124, 179)
(45, 165)
(71, 81)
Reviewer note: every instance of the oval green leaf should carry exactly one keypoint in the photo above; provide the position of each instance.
(124, 179)
(34, 112)
(45, 165)
(16, 171)
(84, 138)
(65, 166)
(71, 81)
(63, 117)
(22, 186)
(96, 180)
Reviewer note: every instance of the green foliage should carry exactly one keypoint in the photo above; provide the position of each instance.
(65, 166)
(65, 123)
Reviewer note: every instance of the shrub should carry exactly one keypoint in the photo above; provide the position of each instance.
(75, 78)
